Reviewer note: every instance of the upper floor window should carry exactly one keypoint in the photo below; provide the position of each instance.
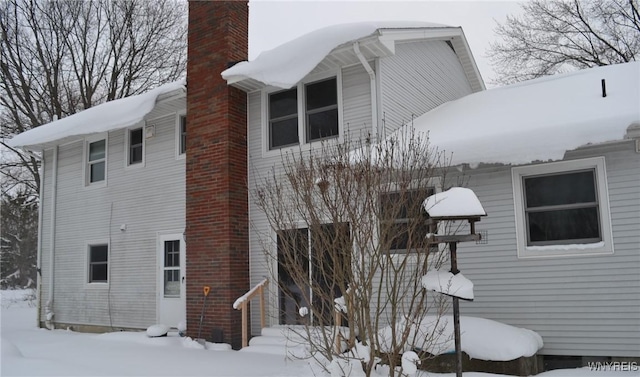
(135, 146)
(96, 161)
(321, 101)
(182, 134)
(309, 109)
(562, 207)
(283, 118)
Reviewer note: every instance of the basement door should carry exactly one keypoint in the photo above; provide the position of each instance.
(171, 279)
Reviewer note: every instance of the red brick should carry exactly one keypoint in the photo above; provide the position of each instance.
(216, 212)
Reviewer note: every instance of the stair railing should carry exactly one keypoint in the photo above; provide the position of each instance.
(241, 304)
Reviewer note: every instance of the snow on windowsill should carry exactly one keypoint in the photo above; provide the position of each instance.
(581, 246)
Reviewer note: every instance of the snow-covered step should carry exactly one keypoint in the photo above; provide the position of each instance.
(294, 351)
(275, 341)
(296, 332)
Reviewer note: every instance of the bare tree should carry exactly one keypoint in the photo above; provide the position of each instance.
(350, 232)
(61, 57)
(19, 237)
(556, 35)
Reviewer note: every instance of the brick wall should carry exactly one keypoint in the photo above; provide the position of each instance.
(216, 213)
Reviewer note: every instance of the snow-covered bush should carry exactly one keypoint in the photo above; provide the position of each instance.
(362, 251)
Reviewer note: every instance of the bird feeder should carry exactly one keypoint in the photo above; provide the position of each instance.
(455, 204)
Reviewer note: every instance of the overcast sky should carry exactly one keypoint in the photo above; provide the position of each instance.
(272, 23)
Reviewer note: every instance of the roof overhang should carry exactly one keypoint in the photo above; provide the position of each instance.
(382, 44)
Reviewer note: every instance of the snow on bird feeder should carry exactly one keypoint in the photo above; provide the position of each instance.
(455, 204)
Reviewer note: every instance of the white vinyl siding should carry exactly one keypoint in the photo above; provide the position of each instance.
(356, 102)
(418, 78)
(130, 301)
(586, 305)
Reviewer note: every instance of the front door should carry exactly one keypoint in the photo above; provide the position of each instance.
(171, 279)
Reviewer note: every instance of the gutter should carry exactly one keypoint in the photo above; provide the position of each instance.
(374, 92)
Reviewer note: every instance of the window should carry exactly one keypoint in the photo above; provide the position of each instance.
(562, 208)
(283, 118)
(321, 100)
(182, 134)
(172, 268)
(309, 109)
(98, 263)
(96, 161)
(404, 224)
(135, 149)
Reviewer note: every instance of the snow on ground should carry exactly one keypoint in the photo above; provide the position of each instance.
(30, 351)
(481, 338)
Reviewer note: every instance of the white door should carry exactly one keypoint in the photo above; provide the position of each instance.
(171, 279)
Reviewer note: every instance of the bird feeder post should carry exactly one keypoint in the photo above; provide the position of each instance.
(453, 246)
(439, 208)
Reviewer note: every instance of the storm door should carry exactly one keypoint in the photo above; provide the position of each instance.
(171, 279)
(313, 264)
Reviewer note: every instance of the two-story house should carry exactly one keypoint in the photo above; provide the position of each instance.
(145, 200)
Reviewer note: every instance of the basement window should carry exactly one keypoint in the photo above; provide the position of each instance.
(562, 208)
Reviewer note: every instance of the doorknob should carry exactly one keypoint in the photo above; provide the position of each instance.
(183, 280)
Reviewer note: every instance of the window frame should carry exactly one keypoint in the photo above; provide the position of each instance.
(89, 263)
(128, 147)
(404, 220)
(180, 154)
(562, 248)
(302, 144)
(86, 163)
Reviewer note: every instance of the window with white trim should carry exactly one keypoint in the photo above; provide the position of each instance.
(98, 263)
(404, 223)
(135, 146)
(182, 134)
(96, 157)
(562, 208)
(309, 112)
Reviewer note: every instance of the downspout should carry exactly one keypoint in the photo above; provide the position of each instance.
(374, 94)
(52, 240)
(39, 247)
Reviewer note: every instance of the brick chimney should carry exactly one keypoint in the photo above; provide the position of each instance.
(217, 211)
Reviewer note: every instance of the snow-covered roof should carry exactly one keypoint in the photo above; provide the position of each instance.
(455, 202)
(287, 64)
(538, 119)
(109, 116)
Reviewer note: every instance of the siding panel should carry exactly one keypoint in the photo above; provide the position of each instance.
(86, 214)
(581, 305)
